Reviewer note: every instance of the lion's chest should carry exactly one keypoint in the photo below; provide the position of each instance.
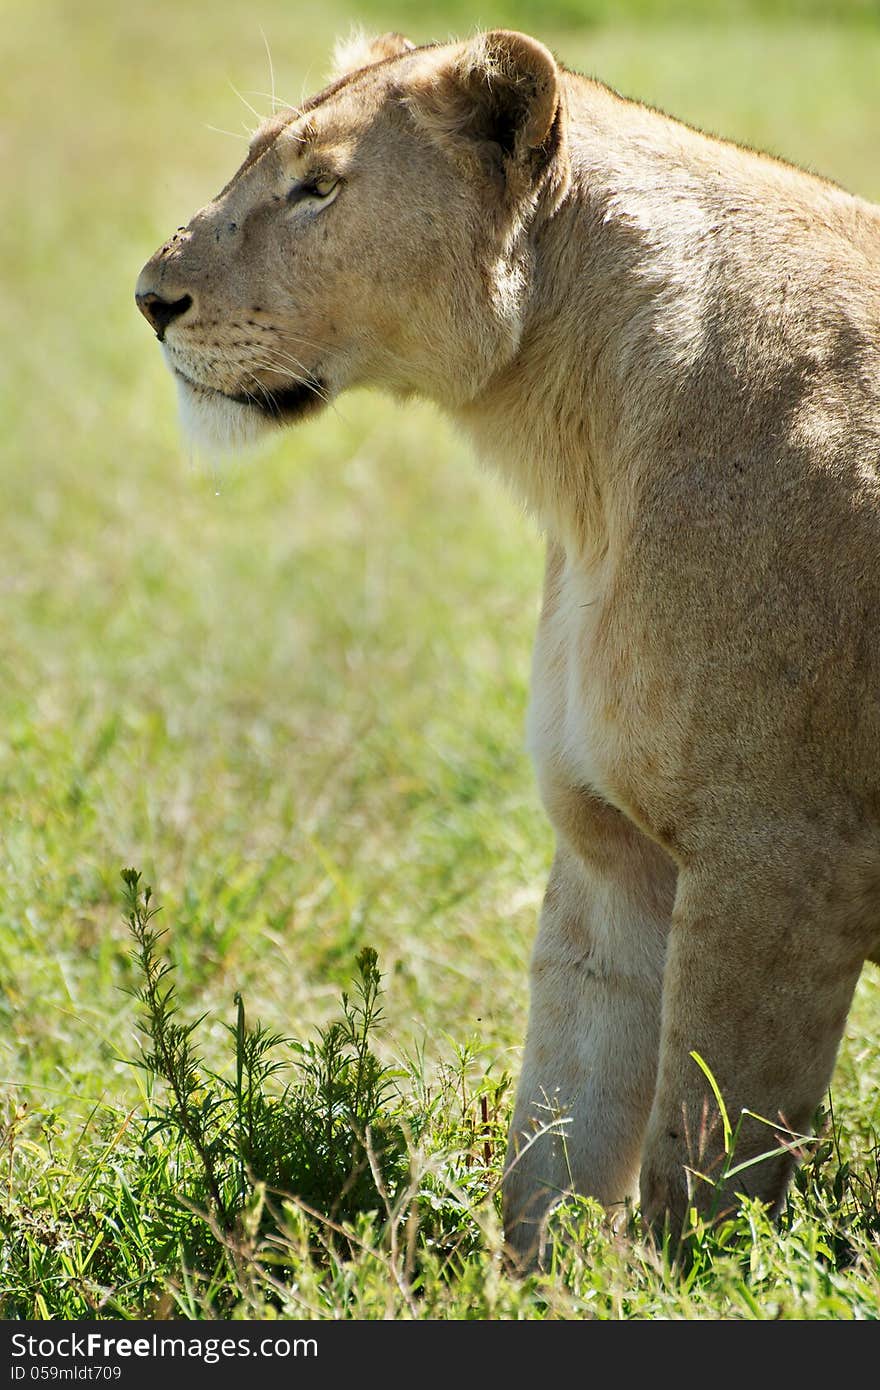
(573, 729)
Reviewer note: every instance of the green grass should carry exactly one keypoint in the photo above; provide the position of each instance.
(294, 697)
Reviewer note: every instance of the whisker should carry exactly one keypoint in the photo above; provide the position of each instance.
(245, 102)
(306, 342)
(290, 368)
(280, 103)
(219, 131)
(280, 356)
(313, 385)
(302, 378)
(271, 66)
(289, 337)
(262, 390)
(276, 365)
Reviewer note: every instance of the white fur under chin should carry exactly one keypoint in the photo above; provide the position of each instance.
(217, 425)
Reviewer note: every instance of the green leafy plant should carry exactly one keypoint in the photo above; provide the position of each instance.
(330, 1136)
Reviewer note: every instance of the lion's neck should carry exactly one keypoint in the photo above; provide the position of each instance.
(559, 423)
(615, 316)
(567, 421)
(663, 281)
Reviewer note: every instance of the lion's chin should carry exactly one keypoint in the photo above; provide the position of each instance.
(214, 422)
(221, 423)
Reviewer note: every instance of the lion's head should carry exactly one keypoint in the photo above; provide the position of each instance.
(375, 236)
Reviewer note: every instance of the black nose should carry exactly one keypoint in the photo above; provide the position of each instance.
(160, 312)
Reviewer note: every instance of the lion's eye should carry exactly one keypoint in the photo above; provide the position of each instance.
(324, 186)
(319, 187)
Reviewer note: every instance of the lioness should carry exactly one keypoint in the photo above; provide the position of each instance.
(671, 347)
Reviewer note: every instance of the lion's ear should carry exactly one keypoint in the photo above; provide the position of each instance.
(362, 50)
(501, 89)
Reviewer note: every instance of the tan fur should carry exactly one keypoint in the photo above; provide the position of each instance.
(361, 50)
(670, 348)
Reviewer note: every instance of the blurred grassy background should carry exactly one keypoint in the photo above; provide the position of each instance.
(296, 702)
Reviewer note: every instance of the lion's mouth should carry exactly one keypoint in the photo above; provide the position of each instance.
(280, 405)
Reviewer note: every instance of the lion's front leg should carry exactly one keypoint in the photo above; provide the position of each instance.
(761, 966)
(590, 1061)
